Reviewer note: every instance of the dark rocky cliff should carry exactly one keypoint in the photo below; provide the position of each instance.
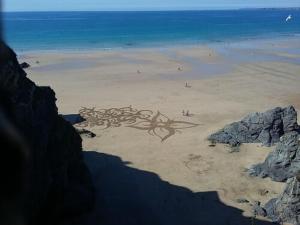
(276, 126)
(265, 128)
(54, 182)
(282, 163)
(286, 207)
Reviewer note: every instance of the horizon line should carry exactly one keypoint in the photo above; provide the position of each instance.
(156, 10)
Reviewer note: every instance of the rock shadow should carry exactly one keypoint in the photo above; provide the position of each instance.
(128, 196)
(73, 118)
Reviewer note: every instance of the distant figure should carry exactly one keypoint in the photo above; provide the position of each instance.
(187, 85)
(138, 71)
(37, 62)
(179, 69)
(288, 18)
(187, 113)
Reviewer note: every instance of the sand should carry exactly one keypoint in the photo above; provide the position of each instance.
(226, 81)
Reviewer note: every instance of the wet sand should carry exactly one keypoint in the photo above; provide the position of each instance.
(225, 81)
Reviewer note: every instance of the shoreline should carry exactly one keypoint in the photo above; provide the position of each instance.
(212, 60)
(164, 46)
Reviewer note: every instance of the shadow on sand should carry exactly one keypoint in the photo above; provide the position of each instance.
(128, 196)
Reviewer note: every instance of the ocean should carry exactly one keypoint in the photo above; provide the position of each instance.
(108, 30)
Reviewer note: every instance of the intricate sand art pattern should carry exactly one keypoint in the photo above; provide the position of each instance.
(156, 124)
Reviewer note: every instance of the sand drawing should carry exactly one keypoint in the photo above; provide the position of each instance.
(156, 124)
(161, 126)
(113, 117)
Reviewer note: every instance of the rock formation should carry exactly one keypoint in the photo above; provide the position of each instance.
(280, 126)
(85, 133)
(265, 128)
(283, 162)
(24, 65)
(286, 208)
(257, 210)
(58, 184)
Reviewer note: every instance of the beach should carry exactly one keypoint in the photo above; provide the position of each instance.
(155, 87)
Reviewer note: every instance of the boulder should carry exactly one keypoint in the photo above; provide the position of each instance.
(286, 208)
(58, 183)
(24, 65)
(242, 200)
(265, 128)
(86, 133)
(283, 162)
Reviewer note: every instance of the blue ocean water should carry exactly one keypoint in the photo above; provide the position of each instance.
(86, 30)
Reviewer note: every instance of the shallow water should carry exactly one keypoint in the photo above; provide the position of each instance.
(64, 66)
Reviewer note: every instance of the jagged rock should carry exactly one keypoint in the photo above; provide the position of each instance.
(24, 65)
(86, 133)
(58, 184)
(286, 208)
(283, 162)
(265, 128)
(242, 200)
(257, 210)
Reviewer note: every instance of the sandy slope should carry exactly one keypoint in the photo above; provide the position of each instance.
(227, 82)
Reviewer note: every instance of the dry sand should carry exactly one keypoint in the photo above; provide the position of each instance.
(227, 82)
